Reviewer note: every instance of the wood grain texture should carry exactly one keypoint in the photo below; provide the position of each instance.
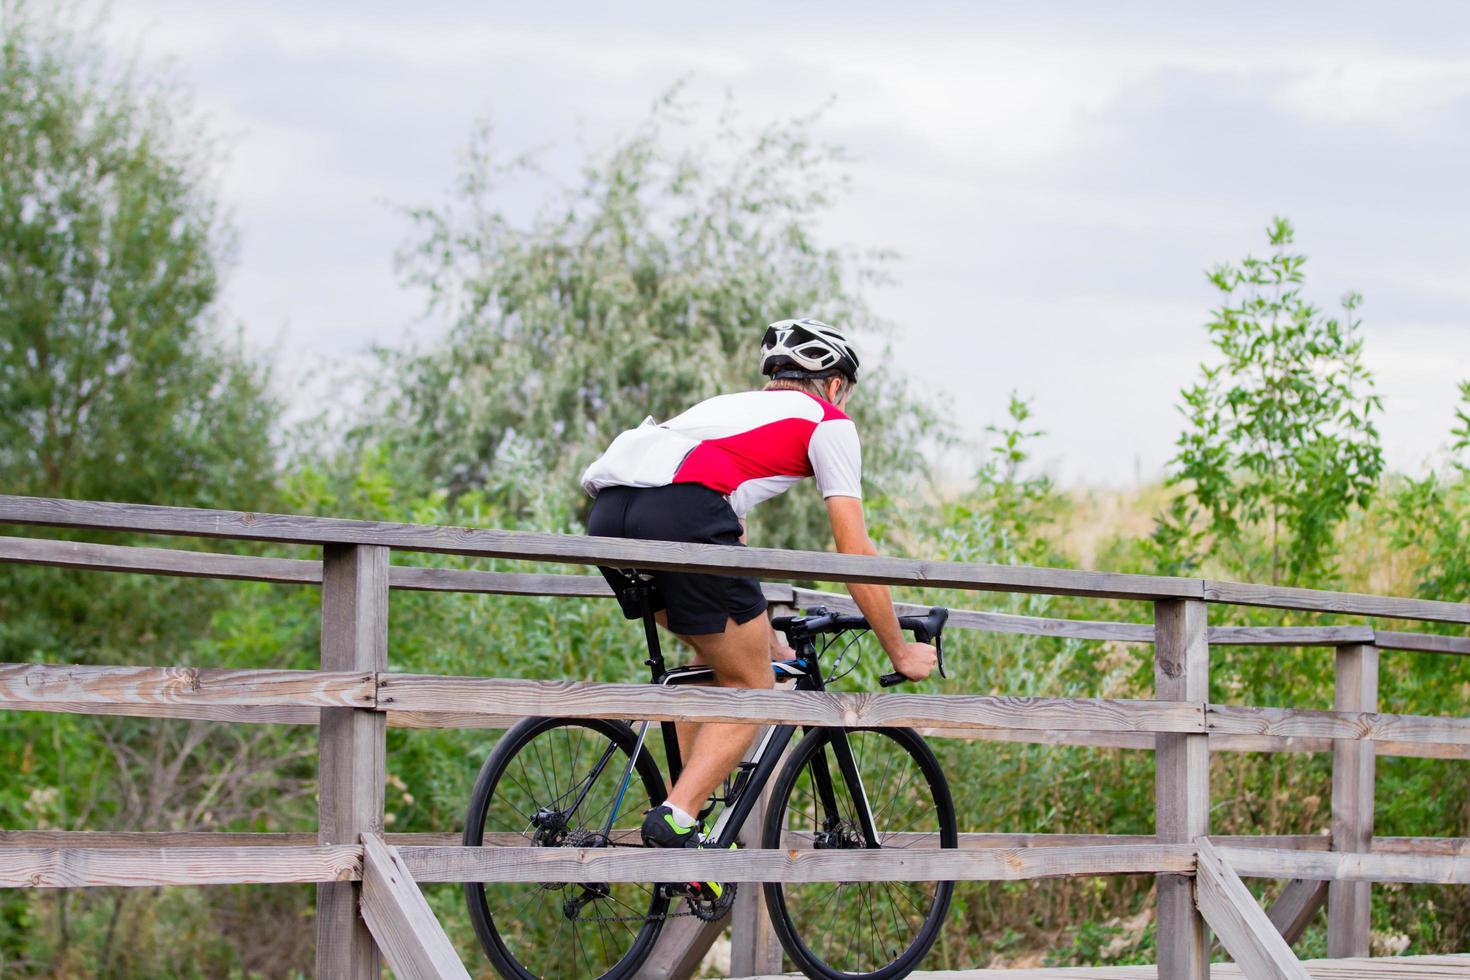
(1296, 907)
(1454, 967)
(21, 684)
(122, 867)
(710, 558)
(408, 935)
(619, 552)
(1348, 902)
(158, 561)
(992, 622)
(682, 943)
(1337, 724)
(352, 765)
(430, 694)
(113, 839)
(646, 864)
(1181, 782)
(1313, 600)
(1421, 642)
(1255, 862)
(184, 710)
(754, 947)
(1244, 930)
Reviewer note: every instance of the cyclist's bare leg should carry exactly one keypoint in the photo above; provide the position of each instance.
(689, 730)
(740, 658)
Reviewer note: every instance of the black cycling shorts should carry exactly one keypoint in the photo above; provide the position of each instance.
(695, 603)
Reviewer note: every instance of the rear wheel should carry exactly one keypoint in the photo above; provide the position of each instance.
(876, 930)
(552, 782)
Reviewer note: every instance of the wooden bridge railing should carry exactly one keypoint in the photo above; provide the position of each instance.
(368, 904)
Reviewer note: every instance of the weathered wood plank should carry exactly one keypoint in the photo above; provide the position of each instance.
(1254, 862)
(158, 561)
(754, 947)
(992, 622)
(1421, 642)
(1079, 629)
(1296, 906)
(1288, 636)
(408, 935)
(121, 867)
(620, 552)
(1337, 724)
(1348, 908)
(1244, 930)
(711, 558)
(352, 767)
(113, 839)
(1314, 600)
(428, 864)
(243, 714)
(1181, 782)
(682, 943)
(1454, 967)
(434, 694)
(22, 684)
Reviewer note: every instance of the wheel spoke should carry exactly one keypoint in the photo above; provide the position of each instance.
(572, 930)
(859, 929)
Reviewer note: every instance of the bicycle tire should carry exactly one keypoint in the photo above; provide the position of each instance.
(917, 910)
(533, 767)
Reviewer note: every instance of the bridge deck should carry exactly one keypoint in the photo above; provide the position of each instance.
(1414, 967)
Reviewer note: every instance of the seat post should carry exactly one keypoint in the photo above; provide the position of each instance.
(655, 659)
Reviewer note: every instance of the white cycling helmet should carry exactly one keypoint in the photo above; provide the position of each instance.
(802, 348)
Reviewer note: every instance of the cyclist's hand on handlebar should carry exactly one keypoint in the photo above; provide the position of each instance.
(914, 660)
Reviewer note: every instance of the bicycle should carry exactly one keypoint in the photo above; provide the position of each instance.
(553, 782)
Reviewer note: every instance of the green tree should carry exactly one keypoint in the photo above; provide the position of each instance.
(639, 291)
(115, 383)
(1430, 516)
(1280, 443)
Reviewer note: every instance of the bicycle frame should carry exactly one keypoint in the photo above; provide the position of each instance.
(805, 670)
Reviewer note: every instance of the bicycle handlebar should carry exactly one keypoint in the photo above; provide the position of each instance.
(927, 628)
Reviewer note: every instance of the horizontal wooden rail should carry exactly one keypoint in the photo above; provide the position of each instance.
(432, 694)
(89, 867)
(1422, 642)
(918, 864)
(46, 683)
(300, 571)
(531, 546)
(114, 839)
(1443, 846)
(1368, 726)
(1252, 862)
(1077, 629)
(420, 701)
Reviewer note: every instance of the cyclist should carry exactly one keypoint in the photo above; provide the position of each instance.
(694, 478)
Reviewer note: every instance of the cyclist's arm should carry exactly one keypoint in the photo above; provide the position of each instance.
(850, 532)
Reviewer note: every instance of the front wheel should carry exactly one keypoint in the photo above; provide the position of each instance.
(558, 782)
(847, 789)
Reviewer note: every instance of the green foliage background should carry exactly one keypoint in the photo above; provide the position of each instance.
(639, 290)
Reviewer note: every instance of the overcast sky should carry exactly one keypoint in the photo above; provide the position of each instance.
(1056, 177)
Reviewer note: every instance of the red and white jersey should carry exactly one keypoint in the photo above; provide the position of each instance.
(749, 446)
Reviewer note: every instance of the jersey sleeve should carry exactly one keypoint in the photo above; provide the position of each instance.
(837, 458)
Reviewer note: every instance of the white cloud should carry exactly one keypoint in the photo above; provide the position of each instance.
(1057, 182)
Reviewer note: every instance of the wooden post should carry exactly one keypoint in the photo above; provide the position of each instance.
(1181, 782)
(754, 948)
(353, 746)
(1349, 902)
